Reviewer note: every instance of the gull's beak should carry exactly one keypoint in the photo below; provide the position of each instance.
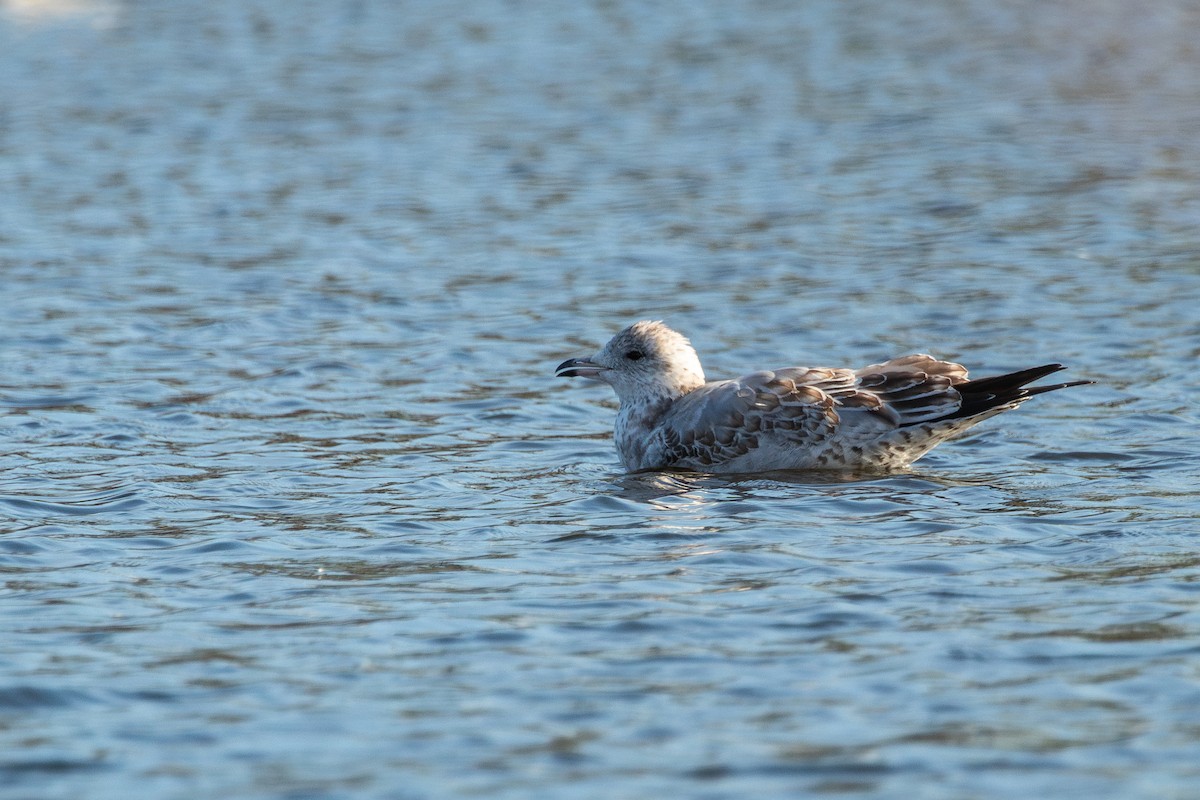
(579, 368)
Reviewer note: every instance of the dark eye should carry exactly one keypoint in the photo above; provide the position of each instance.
(634, 355)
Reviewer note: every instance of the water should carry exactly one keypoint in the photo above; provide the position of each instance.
(293, 508)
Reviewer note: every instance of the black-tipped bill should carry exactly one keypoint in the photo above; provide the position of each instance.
(578, 368)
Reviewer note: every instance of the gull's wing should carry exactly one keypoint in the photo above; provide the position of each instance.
(806, 407)
(916, 388)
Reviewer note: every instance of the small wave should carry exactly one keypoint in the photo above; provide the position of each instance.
(98, 503)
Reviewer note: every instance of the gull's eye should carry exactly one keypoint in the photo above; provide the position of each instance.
(634, 355)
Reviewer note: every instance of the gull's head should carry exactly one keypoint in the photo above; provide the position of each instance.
(647, 361)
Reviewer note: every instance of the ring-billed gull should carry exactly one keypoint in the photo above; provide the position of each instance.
(880, 417)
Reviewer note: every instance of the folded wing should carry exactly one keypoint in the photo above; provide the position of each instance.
(805, 408)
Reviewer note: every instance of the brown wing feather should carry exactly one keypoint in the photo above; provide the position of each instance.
(916, 388)
(726, 419)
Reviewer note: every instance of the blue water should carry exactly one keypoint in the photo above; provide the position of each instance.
(291, 505)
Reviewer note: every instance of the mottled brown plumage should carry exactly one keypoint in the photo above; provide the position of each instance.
(883, 416)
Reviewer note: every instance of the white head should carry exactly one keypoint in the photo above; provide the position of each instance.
(646, 361)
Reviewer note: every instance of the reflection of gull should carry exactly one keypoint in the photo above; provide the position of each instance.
(879, 417)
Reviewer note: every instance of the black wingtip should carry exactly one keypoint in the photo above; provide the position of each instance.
(1032, 390)
(1008, 382)
(985, 394)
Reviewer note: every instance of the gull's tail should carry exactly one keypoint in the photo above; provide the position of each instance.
(1002, 392)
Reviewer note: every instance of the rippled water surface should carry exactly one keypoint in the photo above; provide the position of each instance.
(291, 506)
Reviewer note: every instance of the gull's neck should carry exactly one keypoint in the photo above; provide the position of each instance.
(637, 418)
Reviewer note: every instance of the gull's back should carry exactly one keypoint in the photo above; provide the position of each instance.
(880, 417)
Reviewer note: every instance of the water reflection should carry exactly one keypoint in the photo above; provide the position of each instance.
(649, 487)
(97, 13)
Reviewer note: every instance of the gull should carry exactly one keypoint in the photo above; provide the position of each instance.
(878, 418)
